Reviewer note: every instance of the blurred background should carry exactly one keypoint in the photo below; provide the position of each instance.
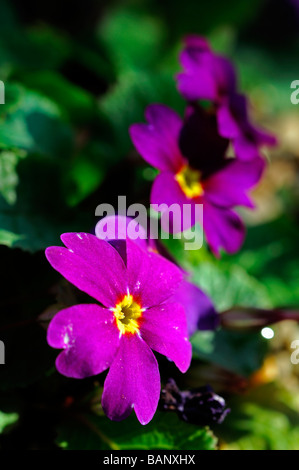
(76, 75)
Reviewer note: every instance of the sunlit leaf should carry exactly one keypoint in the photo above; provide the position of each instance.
(7, 419)
(165, 431)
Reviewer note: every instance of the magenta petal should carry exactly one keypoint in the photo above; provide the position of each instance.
(89, 338)
(157, 141)
(206, 75)
(197, 81)
(200, 311)
(234, 122)
(228, 187)
(191, 88)
(198, 42)
(92, 265)
(151, 278)
(166, 190)
(133, 381)
(183, 214)
(120, 227)
(247, 147)
(264, 138)
(223, 228)
(228, 125)
(164, 329)
(225, 75)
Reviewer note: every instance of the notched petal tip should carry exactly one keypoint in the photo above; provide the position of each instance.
(52, 252)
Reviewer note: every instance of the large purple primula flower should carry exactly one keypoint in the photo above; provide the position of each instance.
(209, 76)
(194, 169)
(132, 316)
(200, 311)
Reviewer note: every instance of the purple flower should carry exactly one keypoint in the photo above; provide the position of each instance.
(194, 169)
(199, 309)
(206, 75)
(132, 316)
(209, 76)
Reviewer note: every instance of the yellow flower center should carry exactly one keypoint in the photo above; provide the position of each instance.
(189, 181)
(127, 313)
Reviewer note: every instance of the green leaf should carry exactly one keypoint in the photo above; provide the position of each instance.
(126, 101)
(9, 238)
(8, 175)
(228, 285)
(85, 176)
(238, 286)
(35, 125)
(165, 431)
(40, 214)
(241, 353)
(270, 256)
(7, 419)
(226, 281)
(257, 68)
(263, 429)
(123, 29)
(13, 95)
(33, 49)
(77, 103)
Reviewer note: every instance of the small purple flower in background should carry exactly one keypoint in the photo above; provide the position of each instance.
(136, 315)
(194, 169)
(209, 76)
(199, 309)
(206, 75)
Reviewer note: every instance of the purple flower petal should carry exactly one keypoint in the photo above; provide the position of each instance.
(198, 42)
(264, 138)
(152, 279)
(234, 123)
(157, 141)
(133, 381)
(89, 337)
(120, 227)
(115, 229)
(166, 190)
(223, 229)
(228, 187)
(164, 329)
(209, 76)
(228, 125)
(226, 77)
(247, 146)
(197, 81)
(199, 309)
(92, 265)
(206, 75)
